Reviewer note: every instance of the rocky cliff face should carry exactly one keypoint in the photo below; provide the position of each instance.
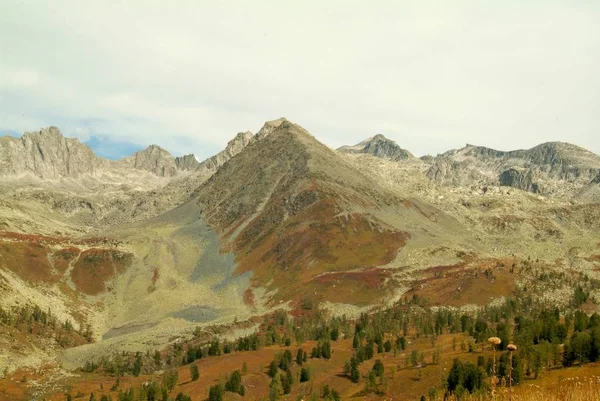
(379, 146)
(47, 154)
(521, 179)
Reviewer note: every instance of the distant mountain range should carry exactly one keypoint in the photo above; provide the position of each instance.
(48, 154)
(542, 169)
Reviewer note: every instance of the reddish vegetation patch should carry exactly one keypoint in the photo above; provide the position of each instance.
(58, 240)
(314, 241)
(96, 267)
(99, 241)
(28, 260)
(249, 298)
(356, 287)
(459, 284)
(155, 277)
(372, 278)
(63, 257)
(34, 238)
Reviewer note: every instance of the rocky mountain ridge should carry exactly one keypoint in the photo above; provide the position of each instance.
(551, 169)
(47, 154)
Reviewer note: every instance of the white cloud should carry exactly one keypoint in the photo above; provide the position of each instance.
(18, 77)
(189, 75)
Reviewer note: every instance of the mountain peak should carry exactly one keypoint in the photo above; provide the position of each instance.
(379, 146)
(154, 159)
(153, 148)
(47, 132)
(269, 127)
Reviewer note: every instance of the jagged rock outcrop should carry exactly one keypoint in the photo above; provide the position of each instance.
(235, 146)
(596, 180)
(187, 162)
(47, 154)
(379, 146)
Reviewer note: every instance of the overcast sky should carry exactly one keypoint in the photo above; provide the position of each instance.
(429, 75)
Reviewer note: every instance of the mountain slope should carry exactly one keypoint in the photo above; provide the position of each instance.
(301, 218)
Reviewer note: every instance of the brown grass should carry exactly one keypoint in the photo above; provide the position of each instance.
(459, 284)
(96, 267)
(28, 260)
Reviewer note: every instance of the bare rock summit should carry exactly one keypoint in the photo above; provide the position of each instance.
(154, 159)
(379, 146)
